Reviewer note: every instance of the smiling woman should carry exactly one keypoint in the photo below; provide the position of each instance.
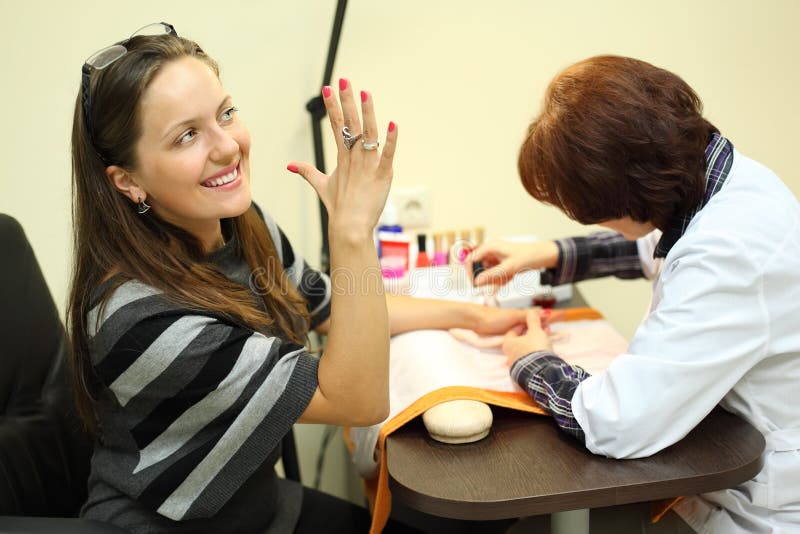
(192, 171)
(189, 308)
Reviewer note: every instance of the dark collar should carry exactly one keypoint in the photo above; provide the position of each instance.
(719, 158)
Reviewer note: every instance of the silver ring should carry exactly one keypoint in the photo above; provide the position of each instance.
(348, 138)
(370, 146)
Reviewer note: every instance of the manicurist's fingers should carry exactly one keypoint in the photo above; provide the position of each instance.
(497, 276)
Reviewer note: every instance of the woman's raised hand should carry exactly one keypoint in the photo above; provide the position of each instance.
(503, 259)
(355, 193)
(353, 377)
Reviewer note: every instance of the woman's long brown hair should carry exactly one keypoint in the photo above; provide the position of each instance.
(111, 238)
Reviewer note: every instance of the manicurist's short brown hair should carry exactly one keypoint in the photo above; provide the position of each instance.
(617, 137)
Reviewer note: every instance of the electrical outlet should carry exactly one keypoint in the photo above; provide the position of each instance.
(413, 206)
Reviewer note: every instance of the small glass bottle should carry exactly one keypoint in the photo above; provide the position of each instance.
(544, 298)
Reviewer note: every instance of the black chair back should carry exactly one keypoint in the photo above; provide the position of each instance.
(44, 454)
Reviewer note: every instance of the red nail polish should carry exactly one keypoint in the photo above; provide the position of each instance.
(363, 96)
(342, 84)
(326, 91)
(392, 126)
(292, 168)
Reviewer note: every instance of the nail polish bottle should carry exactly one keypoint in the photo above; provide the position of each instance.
(485, 292)
(545, 298)
(450, 236)
(465, 245)
(459, 249)
(477, 268)
(439, 252)
(422, 256)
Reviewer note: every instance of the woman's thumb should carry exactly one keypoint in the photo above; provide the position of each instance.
(310, 173)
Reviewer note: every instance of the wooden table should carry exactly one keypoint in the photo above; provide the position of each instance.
(527, 466)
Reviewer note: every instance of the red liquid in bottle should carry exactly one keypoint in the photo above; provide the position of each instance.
(545, 300)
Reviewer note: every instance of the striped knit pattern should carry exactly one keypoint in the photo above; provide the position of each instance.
(313, 285)
(193, 404)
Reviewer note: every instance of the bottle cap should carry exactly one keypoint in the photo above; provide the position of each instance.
(477, 268)
(437, 243)
(422, 240)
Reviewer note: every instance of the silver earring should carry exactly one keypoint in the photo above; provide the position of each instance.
(143, 206)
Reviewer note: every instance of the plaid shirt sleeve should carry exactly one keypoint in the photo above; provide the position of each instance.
(599, 254)
(552, 383)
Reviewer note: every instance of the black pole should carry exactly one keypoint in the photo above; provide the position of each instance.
(316, 107)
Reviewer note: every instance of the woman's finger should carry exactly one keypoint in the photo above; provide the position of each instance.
(387, 154)
(370, 132)
(334, 116)
(311, 174)
(544, 316)
(349, 109)
(518, 329)
(481, 252)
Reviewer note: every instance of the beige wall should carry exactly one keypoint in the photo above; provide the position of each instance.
(462, 80)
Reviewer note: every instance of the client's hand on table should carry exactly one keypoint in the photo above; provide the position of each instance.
(499, 322)
(496, 321)
(521, 341)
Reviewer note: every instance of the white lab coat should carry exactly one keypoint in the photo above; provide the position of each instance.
(723, 328)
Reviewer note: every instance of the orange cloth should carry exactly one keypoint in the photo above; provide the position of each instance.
(377, 488)
(659, 508)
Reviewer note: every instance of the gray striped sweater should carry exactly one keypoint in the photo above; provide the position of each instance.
(193, 408)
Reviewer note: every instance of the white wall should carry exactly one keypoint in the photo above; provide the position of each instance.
(461, 79)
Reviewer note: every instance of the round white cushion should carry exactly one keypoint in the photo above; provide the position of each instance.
(458, 421)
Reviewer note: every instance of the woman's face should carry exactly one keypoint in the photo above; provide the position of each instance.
(193, 154)
(629, 228)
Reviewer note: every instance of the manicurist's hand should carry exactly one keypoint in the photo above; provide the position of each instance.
(519, 343)
(504, 259)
